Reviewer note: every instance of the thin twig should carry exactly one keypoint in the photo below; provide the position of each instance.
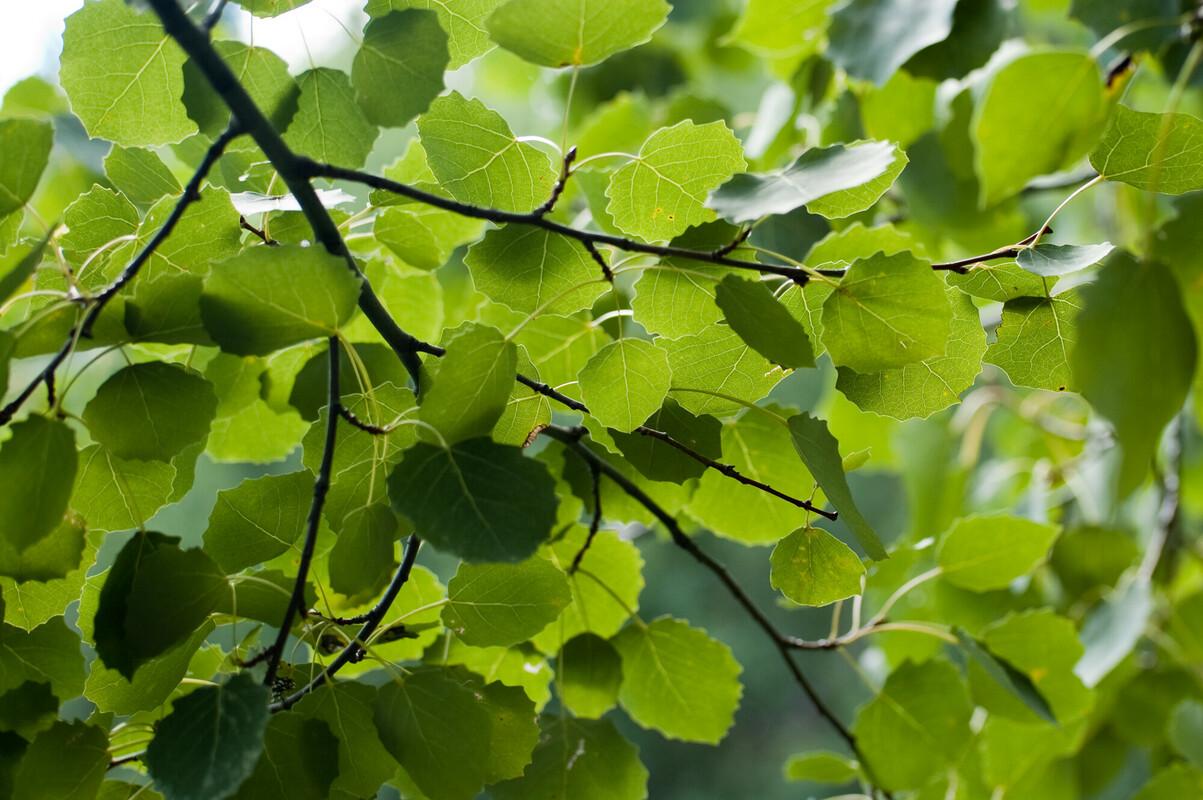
(607, 273)
(561, 182)
(594, 524)
(313, 522)
(355, 422)
(371, 623)
(97, 304)
(733, 473)
(259, 233)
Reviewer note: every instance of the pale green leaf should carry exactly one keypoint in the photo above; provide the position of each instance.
(463, 20)
(504, 604)
(1154, 152)
(564, 33)
(871, 39)
(662, 192)
(115, 494)
(329, 124)
(717, 362)
(887, 312)
(981, 553)
(1049, 260)
(1035, 340)
(813, 568)
(625, 383)
(26, 147)
(258, 520)
(678, 680)
(478, 160)
(579, 759)
(820, 767)
(760, 320)
(588, 675)
(124, 75)
(530, 269)
(139, 174)
(1017, 137)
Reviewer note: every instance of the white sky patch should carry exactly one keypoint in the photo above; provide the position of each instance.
(323, 33)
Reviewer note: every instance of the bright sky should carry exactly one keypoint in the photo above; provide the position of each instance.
(32, 35)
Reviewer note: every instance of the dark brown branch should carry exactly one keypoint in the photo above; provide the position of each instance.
(732, 472)
(214, 15)
(547, 391)
(739, 239)
(313, 522)
(607, 273)
(195, 42)
(784, 644)
(561, 182)
(372, 621)
(962, 265)
(594, 524)
(97, 304)
(259, 233)
(355, 422)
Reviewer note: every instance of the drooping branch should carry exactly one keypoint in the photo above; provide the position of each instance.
(321, 487)
(370, 623)
(97, 304)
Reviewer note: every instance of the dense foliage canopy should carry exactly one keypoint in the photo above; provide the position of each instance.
(535, 381)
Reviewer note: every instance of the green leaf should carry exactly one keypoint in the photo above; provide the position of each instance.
(477, 159)
(347, 708)
(887, 312)
(28, 709)
(1113, 628)
(29, 604)
(902, 110)
(299, 761)
(565, 33)
(530, 269)
(922, 389)
(479, 500)
(152, 685)
(472, 386)
(1186, 730)
(139, 174)
(26, 145)
(1049, 260)
(67, 761)
(209, 744)
(154, 597)
(329, 124)
(258, 520)
(271, 8)
(588, 676)
(1175, 781)
(1154, 152)
(399, 68)
(268, 298)
(37, 470)
(835, 181)
(47, 654)
(605, 589)
(262, 73)
(625, 382)
(820, 767)
(1017, 139)
(659, 461)
(463, 20)
(756, 445)
(821, 453)
(663, 191)
(424, 236)
(760, 320)
(17, 265)
(780, 28)
(1035, 340)
(151, 411)
(1005, 675)
(813, 568)
(987, 552)
(917, 724)
(717, 361)
(1000, 282)
(123, 75)
(871, 39)
(1135, 355)
(678, 680)
(52, 557)
(579, 759)
(438, 730)
(504, 604)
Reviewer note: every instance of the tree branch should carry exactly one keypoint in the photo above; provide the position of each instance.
(195, 42)
(371, 623)
(732, 472)
(572, 440)
(96, 304)
(313, 522)
(594, 524)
